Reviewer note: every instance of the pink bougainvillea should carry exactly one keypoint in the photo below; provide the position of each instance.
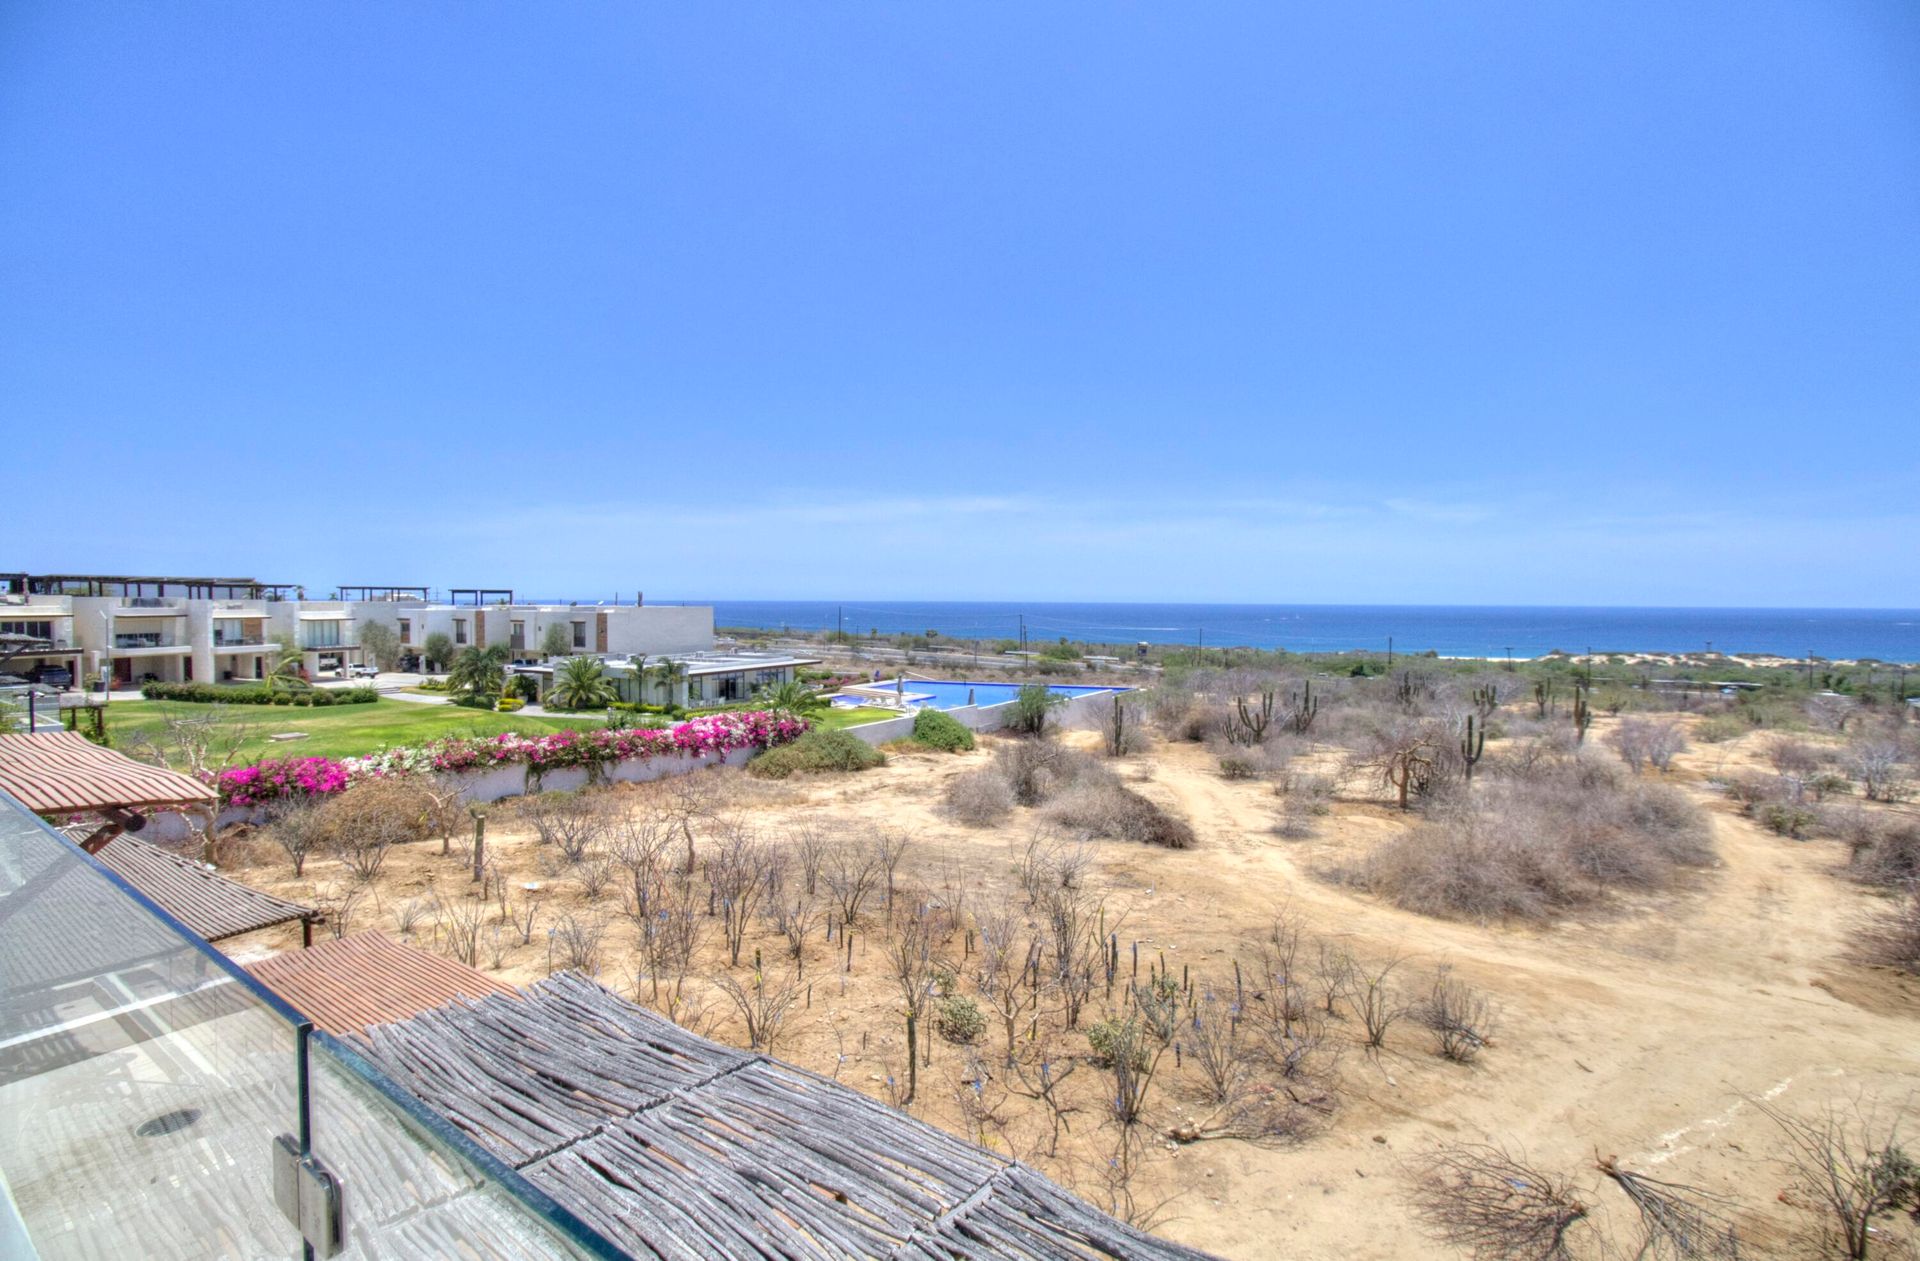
(317, 776)
(276, 778)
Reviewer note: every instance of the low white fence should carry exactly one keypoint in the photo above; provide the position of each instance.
(1087, 710)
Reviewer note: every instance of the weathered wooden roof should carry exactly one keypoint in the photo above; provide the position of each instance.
(676, 1147)
(346, 985)
(63, 772)
(206, 902)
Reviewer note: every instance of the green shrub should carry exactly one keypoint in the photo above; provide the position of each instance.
(1108, 1037)
(817, 751)
(1032, 706)
(1786, 819)
(508, 704)
(941, 731)
(1721, 728)
(1233, 766)
(961, 1019)
(257, 694)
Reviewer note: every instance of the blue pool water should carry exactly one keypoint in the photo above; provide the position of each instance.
(946, 694)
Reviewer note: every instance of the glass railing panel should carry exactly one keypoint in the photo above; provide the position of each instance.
(142, 1078)
(416, 1187)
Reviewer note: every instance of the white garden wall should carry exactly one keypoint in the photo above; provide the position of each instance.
(495, 783)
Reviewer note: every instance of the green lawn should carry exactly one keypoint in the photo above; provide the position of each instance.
(341, 730)
(836, 719)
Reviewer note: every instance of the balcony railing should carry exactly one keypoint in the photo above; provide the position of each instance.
(181, 1110)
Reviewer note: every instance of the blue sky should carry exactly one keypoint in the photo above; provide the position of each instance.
(1504, 302)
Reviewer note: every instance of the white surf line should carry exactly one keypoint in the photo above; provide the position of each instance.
(1667, 1151)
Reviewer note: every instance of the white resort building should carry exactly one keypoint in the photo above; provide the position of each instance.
(218, 630)
(687, 679)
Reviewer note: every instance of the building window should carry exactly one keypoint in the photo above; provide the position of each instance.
(321, 635)
(579, 634)
(406, 630)
(38, 630)
(459, 630)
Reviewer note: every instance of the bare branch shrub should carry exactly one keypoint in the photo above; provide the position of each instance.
(299, 831)
(458, 920)
(1648, 742)
(575, 942)
(1849, 1168)
(571, 822)
(669, 938)
(796, 918)
(1483, 1200)
(809, 844)
(763, 1003)
(1677, 1222)
(740, 871)
(1878, 762)
(851, 873)
(1375, 999)
(1460, 1017)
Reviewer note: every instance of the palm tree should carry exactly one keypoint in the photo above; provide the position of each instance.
(581, 683)
(286, 671)
(479, 672)
(666, 673)
(793, 697)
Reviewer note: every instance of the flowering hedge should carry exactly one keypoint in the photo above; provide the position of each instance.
(276, 778)
(594, 749)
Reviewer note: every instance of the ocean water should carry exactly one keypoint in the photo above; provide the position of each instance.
(1452, 631)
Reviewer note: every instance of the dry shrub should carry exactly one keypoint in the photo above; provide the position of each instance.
(572, 823)
(364, 822)
(979, 797)
(1886, 854)
(1037, 770)
(1528, 849)
(1108, 808)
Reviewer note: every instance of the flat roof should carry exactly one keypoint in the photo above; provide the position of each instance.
(345, 986)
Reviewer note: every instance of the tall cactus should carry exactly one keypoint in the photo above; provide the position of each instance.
(1302, 708)
(1472, 744)
(1486, 699)
(1250, 727)
(1543, 697)
(1582, 714)
(1117, 729)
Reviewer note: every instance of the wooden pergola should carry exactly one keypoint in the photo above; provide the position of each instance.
(62, 776)
(93, 795)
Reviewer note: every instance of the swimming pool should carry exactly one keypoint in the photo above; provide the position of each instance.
(952, 694)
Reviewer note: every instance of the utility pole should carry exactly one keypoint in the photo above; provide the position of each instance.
(1023, 632)
(839, 622)
(1389, 652)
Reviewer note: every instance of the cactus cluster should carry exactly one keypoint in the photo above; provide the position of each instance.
(1249, 726)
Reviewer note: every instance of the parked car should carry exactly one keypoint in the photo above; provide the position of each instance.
(363, 672)
(57, 676)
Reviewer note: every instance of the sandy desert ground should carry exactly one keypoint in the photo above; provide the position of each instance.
(1648, 1030)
